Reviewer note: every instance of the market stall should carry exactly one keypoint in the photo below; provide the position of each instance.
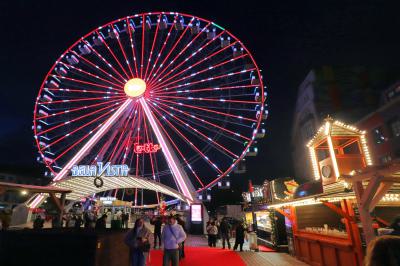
(330, 217)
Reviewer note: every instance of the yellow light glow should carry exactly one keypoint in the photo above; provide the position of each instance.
(135, 87)
(24, 192)
(333, 156)
(314, 163)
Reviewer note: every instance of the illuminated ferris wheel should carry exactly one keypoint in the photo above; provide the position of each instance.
(177, 98)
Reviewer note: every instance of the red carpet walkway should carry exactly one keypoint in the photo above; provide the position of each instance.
(200, 256)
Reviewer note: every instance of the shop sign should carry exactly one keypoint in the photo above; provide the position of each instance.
(146, 148)
(100, 170)
(107, 200)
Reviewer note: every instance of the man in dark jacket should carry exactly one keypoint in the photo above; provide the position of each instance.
(156, 221)
(240, 234)
(225, 229)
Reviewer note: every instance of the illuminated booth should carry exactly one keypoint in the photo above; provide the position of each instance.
(330, 217)
(269, 223)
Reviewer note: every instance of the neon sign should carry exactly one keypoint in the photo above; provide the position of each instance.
(100, 170)
(146, 148)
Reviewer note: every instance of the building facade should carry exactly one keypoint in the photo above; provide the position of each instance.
(344, 93)
(383, 127)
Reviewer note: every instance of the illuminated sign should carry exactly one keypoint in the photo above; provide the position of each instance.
(196, 215)
(146, 148)
(100, 170)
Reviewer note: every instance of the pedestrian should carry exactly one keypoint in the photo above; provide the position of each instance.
(172, 236)
(383, 251)
(125, 220)
(55, 222)
(157, 222)
(38, 222)
(395, 226)
(137, 239)
(182, 223)
(225, 230)
(208, 235)
(5, 217)
(101, 223)
(239, 240)
(212, 231)
(78, 221)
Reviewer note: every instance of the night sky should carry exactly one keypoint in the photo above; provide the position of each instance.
(287, 39)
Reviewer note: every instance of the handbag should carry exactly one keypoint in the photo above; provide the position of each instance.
(145, 246)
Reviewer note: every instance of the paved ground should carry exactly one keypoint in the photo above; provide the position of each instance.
(251, 258)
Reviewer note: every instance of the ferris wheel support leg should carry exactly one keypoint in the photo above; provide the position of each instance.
(179, 174)
(84, 150)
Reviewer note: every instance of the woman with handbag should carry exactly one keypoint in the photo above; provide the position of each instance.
(138, 242)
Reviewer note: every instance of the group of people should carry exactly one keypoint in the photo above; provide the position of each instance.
(88, 219)
(172, 236)
(223, 230)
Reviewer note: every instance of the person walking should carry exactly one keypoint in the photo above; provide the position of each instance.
(182, 223)
(212, 231)
(172, 237)
(225, 230)
(125, 220)
(137, 239)
(239, 240)
(101, 223)
(38, 222)
(157, 222)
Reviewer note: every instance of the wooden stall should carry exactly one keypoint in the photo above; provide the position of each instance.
(334, 226)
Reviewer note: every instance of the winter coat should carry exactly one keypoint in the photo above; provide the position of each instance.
(172, 236)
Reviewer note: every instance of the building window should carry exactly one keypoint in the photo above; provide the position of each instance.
(395, 127)
(378, 136)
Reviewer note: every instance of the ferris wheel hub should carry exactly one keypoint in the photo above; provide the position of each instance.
(135, 87)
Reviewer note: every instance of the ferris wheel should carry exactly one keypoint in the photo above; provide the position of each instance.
(177, 98)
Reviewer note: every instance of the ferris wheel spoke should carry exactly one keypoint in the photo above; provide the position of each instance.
(191, 67)
(102, 59)
(70, 122)
(82, 81)
(206, 139)
(160, 75)
(179, 151)
(142, 57)
(214, 89)
(212, 165)
(112, 53)
(152, 47)
(98, 68)
(187, 59)
(213, 125)
(156, 75)
(83, 99)
(124, 125)
(209, 99)
(199, 72)
(123, 52)
(71, 133)
(93, 140)
(205, 80)
(76, 109)
(84, 91)
(160, 52)
(180, 176)
(209, 110)
(81, 71)
(133, 47)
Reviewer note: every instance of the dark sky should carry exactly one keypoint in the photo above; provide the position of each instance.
(287, 39)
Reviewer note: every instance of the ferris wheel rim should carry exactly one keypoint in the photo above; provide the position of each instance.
(69, 49)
